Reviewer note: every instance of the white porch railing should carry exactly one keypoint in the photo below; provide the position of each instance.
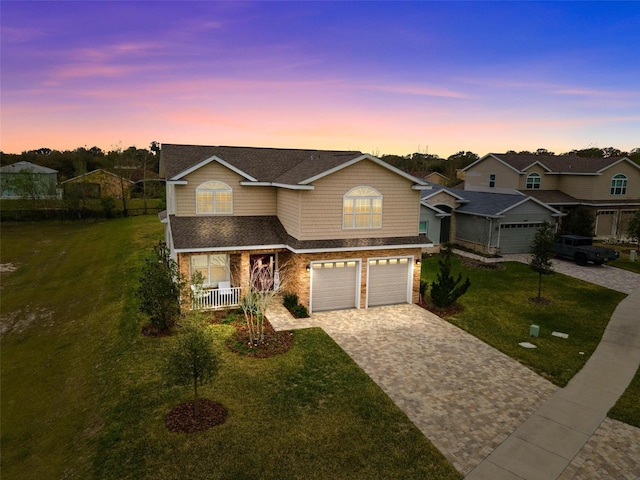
(217, 298)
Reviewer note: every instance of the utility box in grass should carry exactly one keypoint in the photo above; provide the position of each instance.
(534, 331)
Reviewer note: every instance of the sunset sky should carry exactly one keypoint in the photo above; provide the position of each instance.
(380, 77)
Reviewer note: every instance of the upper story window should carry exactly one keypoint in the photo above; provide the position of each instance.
(362, 208)
(619, 184)
(492, 180)
(214, 197)
(533, 181)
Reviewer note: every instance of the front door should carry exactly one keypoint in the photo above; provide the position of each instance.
(263, 271)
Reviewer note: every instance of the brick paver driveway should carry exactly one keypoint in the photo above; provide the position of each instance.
(465, 396)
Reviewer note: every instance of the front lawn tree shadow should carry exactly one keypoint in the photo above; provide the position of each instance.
(193, 361)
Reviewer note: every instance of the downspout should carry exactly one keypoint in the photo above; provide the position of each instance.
(490, 234)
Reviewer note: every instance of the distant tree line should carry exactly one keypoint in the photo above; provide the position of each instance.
(72, 163)
(420, 164)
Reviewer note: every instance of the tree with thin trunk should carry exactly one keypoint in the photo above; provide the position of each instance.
(263, 288)
(542, 252)
(192, 361)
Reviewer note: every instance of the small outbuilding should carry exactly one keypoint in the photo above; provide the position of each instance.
(27, 180)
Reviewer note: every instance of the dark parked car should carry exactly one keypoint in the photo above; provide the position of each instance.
(582, 251)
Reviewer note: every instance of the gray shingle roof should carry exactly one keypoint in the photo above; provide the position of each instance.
(278, 165)
(558, 163)
(20, 166)
(212, 232)
(484, 203)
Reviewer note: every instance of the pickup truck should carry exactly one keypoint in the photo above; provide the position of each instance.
(582, 251)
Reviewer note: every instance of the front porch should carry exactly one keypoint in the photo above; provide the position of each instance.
(215, 298)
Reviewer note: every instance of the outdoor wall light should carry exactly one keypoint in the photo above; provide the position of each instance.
(418, 261)
(308, 268)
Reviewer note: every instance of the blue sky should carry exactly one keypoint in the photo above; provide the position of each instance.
(381, 77)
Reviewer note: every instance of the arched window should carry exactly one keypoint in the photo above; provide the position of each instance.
(362, 208)
(619, 184)
(533, 181)
(214, 197)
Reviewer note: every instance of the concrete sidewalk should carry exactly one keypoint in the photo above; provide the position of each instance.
(544, 446)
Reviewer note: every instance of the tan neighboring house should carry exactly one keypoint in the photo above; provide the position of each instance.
(338, 228)
(96, 184)
(437, 178)
(610, 187)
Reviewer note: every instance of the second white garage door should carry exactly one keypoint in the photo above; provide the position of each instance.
(388, 281)
(334, 285)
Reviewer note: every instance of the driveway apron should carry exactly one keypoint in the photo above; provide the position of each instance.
(465, 396)
(489, 415)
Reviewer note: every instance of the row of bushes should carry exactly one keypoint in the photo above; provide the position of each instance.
(290, 302)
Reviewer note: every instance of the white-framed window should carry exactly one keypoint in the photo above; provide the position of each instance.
(214, 197)
(492, 180)
(424, 228)
(214, 268)
(534, 181)
(362, 208)
(619, 184)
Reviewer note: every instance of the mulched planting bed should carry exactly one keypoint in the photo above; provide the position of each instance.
(471, 263)
(443, 312)
(275, 343)
(181, 419)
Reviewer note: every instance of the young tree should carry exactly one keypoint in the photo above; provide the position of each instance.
(193, 360)
(160, 287)
(542, 252)
(264, 286)
(447, 289)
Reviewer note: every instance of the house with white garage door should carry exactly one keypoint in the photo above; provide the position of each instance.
(338, 228)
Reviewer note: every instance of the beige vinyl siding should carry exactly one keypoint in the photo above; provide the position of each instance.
(288, 204)
(598, 187)
(547, 182)
(321, 209)
(246, 200)
(477, 178)
(443, 198)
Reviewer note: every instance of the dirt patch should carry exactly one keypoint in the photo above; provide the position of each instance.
(181, 419)
(19, 320)
(7, 267)
(540, 301)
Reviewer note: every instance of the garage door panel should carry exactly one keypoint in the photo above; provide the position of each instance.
(517, 238)
(334, 285)
(388, 281)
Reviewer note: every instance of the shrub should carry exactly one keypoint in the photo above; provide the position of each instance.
(300, 311)
(289, 300)
(447, 289)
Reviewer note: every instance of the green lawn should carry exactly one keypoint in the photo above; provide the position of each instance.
(624, 262)
(82, 396)
(497, 310)
(627, 408)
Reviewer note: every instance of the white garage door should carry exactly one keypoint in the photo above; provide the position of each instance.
(334, 285)
(517, 237)
(388, 281)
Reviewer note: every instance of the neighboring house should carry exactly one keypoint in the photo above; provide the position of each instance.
(96, 184)
(27, 180)
(340, 226)
(437, 178)
(609, 187)
(490, 223)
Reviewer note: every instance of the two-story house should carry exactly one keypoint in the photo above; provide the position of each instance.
(340, 228)
(610, 187)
